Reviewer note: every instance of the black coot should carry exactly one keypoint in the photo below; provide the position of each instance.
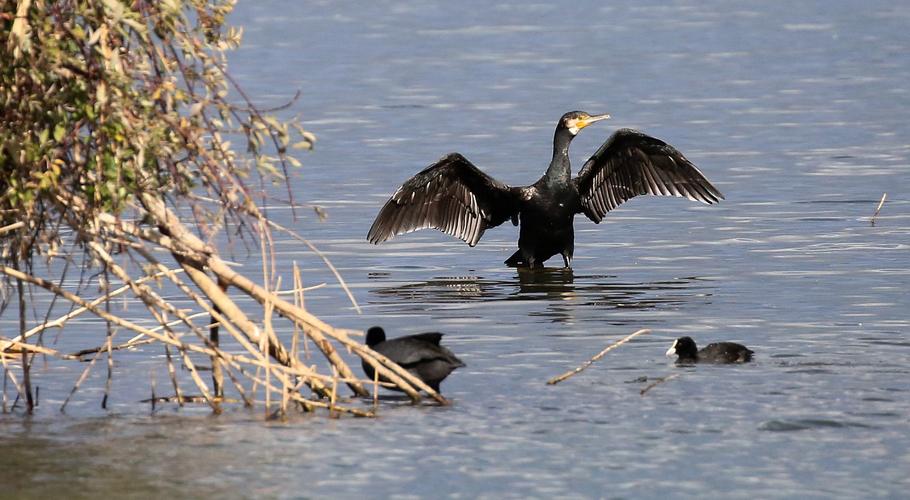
(419, 354)
(718, 352)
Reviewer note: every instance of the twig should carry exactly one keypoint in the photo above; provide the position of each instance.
(81, 379)
(172, 374)
(35, 349)
(15, 225)
(332, 413)
(556, 380)
(264, 349)
(657, 382)
(110, 355)
(375, 390)
(299, 302)
(26, 366)
(325, 260)
(133, 342)
(878, 208)
(76, 312)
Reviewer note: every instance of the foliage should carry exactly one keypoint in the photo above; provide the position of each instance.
(105, 100)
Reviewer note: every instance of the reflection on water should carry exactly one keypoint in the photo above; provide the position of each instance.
(547, 284)
(562, 291)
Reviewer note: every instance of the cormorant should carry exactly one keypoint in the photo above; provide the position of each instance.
(454, 196)
(718, 352)
(419, 354)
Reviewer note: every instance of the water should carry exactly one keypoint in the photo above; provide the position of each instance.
(796, 111)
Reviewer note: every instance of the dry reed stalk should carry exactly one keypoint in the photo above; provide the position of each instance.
(79, 381)
(657, 382)
(315, 326)
(312, 328)
(299, 301)
(237, 318)
(26, 371)
(878, 208)
(172, 374)
(284, 398)
(182, 244)
(375, 390)
(264, 349)
(332, 413)
(36, 349)
(12, 378)
(133, 342)
(301, 289)
(182, 240)
(325, 260)
(239, 387)
(228, 309)
(197, 379)
(167, 340)
(110, 373)
(316, 404)
(157, 307)
(59, 322)
(11, 227)
(110, 355)
(560, 378)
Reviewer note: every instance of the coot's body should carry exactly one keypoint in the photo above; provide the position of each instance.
(419, 354)
(718, 352)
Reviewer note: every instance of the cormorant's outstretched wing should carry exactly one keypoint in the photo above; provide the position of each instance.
(451, 195)
(631, 163)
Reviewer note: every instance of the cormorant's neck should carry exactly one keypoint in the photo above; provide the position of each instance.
(559, 165)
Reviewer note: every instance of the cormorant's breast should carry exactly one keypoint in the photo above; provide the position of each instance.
(550, 206)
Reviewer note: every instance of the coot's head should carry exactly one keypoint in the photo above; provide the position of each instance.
(375, 335)
(684, 347)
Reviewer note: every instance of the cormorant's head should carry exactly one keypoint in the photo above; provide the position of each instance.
(684, 347)
(573, 121)
(375, 335)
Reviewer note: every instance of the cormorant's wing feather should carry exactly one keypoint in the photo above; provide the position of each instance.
(631, 163)
(451, 195)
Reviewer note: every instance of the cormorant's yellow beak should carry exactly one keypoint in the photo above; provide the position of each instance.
(584, 122)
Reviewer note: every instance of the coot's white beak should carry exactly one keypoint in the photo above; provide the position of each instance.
(672, 350)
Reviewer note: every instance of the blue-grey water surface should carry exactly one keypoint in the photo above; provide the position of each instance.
(796, 111)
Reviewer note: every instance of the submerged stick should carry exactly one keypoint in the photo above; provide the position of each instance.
(657, 382)
(878, 208)
(556, 380)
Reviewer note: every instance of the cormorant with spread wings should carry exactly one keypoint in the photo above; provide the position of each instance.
(454, 196)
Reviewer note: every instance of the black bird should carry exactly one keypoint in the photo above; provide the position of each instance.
(718, 352)
(419, 354)
(454, 196)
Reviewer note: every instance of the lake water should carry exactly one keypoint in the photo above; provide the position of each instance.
(796, 111)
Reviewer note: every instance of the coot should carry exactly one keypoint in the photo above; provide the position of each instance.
(419, 354)
(718, 352)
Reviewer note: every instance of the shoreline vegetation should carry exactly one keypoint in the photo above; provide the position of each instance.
(119, 175)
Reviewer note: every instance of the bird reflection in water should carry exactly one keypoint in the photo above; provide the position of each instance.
(561, 287)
